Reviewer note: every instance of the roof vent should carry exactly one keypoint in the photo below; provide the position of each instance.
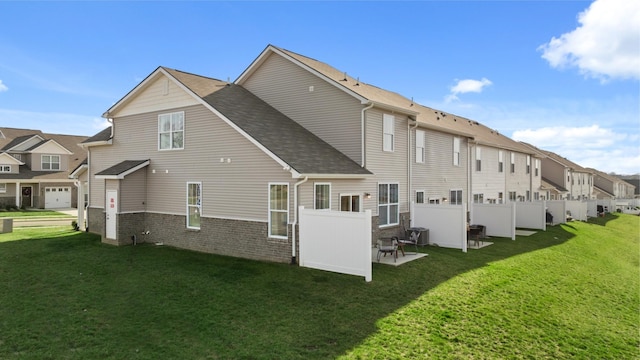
(345, 76)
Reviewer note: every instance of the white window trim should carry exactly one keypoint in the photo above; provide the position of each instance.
(424, 198)
(184, 125)
(50, 162)
(478, 159)
(456, 151)
(512, 164)
(477, 196)
(388, 128)
(500, 161)
(351, 195)
(451, 198)
(3, 188)
(435, 200)
(197, 206)
(420, 145)
(5, 168)
(389, 204)
(272, 236)
(315, 194)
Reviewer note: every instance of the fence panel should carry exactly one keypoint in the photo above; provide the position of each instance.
(531, 215)
(498, 219)
(336, 241)
(558, 209)
(578, 209)
(446, 223)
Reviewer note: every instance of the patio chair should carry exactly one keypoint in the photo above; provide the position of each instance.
(412, 240)
(389, 246)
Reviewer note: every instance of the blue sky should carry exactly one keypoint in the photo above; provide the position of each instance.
(562, 75)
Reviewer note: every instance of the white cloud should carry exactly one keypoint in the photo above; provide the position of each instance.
(606, 45)
(52, 123)
(466, 86)
(3, 87)
(588, 146)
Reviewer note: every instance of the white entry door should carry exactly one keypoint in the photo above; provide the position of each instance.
(110, 213)
(57, 197)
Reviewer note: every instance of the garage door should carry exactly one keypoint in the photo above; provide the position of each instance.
(57, 197)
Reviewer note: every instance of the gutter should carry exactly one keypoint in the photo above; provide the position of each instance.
(362, 137)
(295, 219)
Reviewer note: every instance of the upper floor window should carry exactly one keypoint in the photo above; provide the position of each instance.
(528, 164)
(419, 146)
(194, 204)
(388, 206)
(5, 168)
(3, 188)
(456, 151)
(50, 162)
(513, 163)
(388, 132)
(478, 198)
(537, 167)
(420, 197)
(171, 131)
(478, 159)
(500, 161)
(17, 156)
(322, 196)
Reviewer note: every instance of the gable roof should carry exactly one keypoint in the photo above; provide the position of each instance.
(9, 159)
(291, 145)
(48, 141)
(302, 150)
(103, 137)
(20, 140)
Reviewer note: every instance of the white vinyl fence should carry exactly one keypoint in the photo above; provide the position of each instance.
(531, 215)
(498, 219)
(592, 208)
(609, 204)
(578, 209)
(446, 223)
(336, 241)
(558, 209)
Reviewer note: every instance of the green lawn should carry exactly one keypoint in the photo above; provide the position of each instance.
(30, 213)
(570, 292)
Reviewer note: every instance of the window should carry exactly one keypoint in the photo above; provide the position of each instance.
(500, 199)
(50, 162)
(171, 131)
(478, 159)
(194, 204)
(388, 132)
(5, 168)
(528, 195)
(536, 195)
(419, 146)
(513, 163)
(278, 210)
(528, 164)
(388, 209)
(322, 196)
(478, 198)
(537, 165)
(434, 201)
(17, 156)
(456, 151)
(500, 161)
(3, 188)
(350, 202)
(420, 197)
(512, 196)
(456, 197)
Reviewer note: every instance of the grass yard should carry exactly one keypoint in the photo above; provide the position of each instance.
(30, 213)
(570, 292)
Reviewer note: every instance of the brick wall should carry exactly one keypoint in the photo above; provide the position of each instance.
(95, 221)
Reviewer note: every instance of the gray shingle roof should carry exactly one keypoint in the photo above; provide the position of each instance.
(103, 135)
(302, 150)
(121, 167)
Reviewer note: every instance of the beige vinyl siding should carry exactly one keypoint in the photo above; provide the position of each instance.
(36, 164)
(437, 175)
(388, 167)
(518, 181)
(554, 172)
(325, 110)
(133, 192)
(161, 94)
(237, 189)
(338, 187)
(488, 181)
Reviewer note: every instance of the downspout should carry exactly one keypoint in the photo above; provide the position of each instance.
(409, 166)
(295, 218)
(362, 137)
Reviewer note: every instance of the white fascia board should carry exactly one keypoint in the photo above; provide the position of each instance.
(56, 143)
(79, 170)
(445, 130)
(133, 92)
(96, 143)
(11, 158)
(393, 108)
(18, 145)
(270, 49)
(337, 176)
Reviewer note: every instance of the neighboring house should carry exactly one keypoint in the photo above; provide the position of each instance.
(34, 168)
(633, 180)
(612, 187)
(571, 181)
